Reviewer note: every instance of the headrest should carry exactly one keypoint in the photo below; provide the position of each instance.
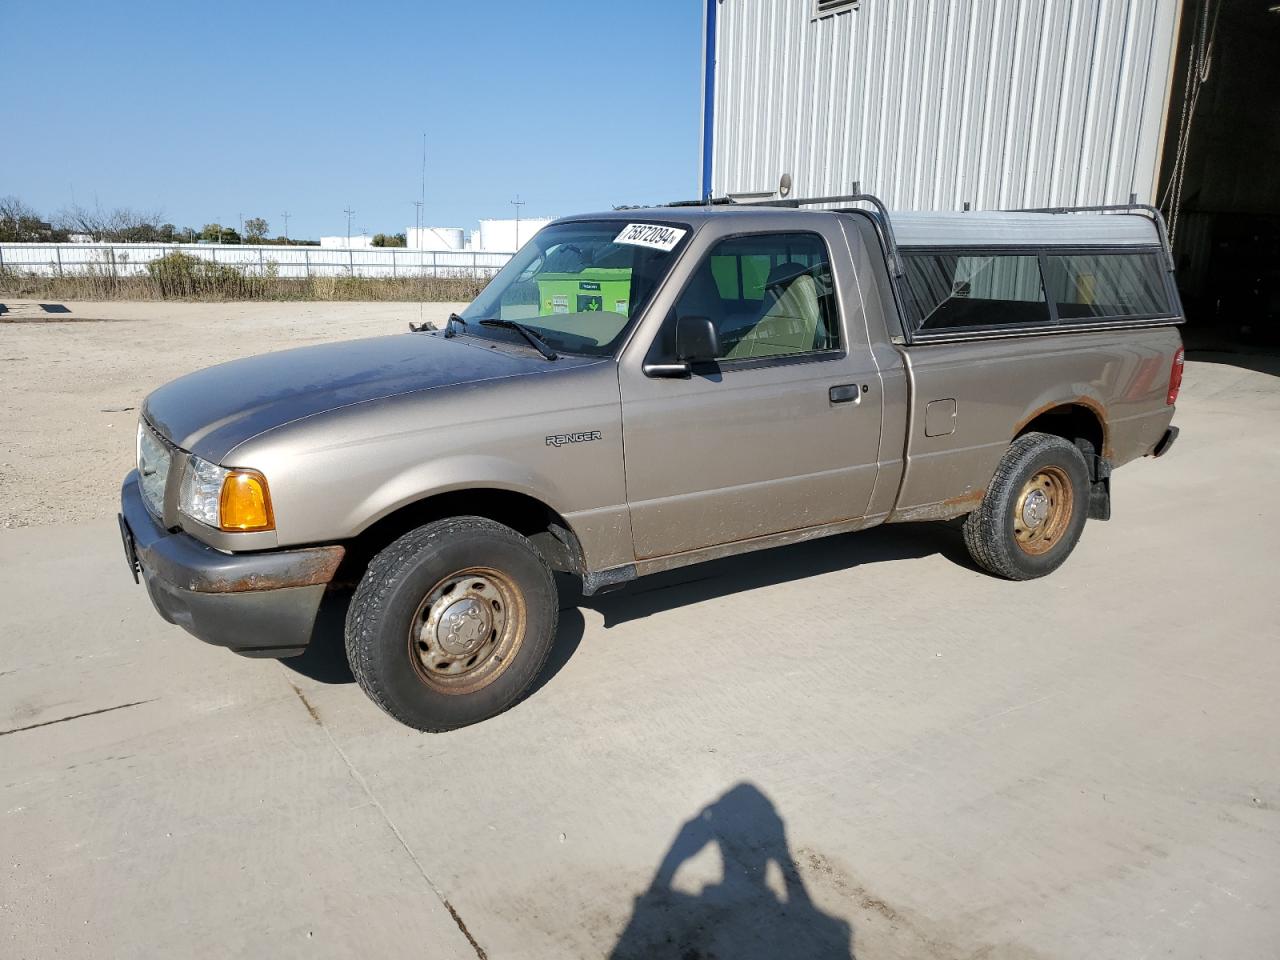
(784, 273)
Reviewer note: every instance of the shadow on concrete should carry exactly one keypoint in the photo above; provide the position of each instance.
(1259, 361)
(748, 571)
(741, 916)
(325, 659)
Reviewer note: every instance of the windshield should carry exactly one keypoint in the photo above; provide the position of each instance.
(577, 285)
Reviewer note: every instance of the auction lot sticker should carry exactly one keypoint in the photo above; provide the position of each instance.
(650, 235)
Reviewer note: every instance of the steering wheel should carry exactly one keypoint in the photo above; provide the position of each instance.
(534, 266)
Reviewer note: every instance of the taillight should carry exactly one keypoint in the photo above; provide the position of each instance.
(1175, 377)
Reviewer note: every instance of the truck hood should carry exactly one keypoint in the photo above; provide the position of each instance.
(212, 411)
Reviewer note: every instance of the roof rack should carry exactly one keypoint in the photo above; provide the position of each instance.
(709, 202)
(880, 220)
(1133, 206)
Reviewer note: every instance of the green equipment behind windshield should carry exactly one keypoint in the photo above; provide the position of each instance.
(591, 291)
(577, 285)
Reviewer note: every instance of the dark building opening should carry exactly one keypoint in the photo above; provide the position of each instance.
(1220, 171)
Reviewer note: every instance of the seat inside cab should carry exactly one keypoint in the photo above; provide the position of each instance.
(769, 295)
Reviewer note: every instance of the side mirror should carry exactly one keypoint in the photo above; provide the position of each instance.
(697, 340)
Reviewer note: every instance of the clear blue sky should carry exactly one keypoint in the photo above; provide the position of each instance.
(209, 111)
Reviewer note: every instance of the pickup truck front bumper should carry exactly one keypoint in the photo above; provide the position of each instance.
(258, 604)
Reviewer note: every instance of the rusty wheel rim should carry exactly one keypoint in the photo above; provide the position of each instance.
(1043, 510)
(467, 630)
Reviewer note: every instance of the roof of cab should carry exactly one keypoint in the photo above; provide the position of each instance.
(941, 228)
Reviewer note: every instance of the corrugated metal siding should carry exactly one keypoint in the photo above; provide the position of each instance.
(931, 103)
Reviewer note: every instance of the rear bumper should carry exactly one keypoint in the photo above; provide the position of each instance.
(1166, 441)
(257, 604)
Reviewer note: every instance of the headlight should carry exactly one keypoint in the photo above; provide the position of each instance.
(153, 468)
(226, 499)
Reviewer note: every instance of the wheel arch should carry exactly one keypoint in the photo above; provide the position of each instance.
(523, 512)
(1079, 419)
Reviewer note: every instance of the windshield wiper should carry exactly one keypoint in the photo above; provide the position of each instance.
(448, 324)
(535, 341)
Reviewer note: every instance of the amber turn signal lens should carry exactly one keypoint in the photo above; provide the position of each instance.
(246, 503)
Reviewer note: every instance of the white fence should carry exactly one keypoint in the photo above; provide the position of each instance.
(131, 259)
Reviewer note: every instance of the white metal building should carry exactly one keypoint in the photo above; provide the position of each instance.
(934, 103)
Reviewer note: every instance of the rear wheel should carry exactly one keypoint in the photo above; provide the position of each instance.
(452, 623)
(1034, 511)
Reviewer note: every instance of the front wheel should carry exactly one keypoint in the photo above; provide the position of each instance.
(1034, 511)
(452, 623)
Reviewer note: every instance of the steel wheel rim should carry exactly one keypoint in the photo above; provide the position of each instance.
(467, 630)
(1042, 511)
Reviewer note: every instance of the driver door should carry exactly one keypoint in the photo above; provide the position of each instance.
(782, 431)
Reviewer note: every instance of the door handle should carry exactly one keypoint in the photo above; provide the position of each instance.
(846, 393)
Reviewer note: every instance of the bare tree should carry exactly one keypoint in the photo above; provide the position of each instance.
(12, 209)
(20, 223)
(122, 225)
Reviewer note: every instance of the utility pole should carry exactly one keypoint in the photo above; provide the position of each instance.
(286, 225)
(350, 213)
(518, 203)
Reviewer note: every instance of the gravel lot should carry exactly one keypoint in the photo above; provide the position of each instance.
(859, 744)
(73, 382)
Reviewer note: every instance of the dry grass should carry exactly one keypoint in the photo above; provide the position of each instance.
(228, 283)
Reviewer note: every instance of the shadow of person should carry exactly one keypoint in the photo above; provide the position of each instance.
(741, 917)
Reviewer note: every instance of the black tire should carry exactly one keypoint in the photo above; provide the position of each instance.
(1000, 540)
(389, 622)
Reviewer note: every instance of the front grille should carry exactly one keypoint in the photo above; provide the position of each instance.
(154, 457)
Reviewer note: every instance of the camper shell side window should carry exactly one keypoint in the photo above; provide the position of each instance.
(1006, 290)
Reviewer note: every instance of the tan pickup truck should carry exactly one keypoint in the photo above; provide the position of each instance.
(644, 389)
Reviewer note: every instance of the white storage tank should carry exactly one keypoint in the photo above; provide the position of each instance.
(435, 238)
(499, 236)
(357, 241)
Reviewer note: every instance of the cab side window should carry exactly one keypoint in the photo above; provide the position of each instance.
(768, 295)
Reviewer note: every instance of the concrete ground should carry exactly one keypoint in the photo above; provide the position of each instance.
(859, 746)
